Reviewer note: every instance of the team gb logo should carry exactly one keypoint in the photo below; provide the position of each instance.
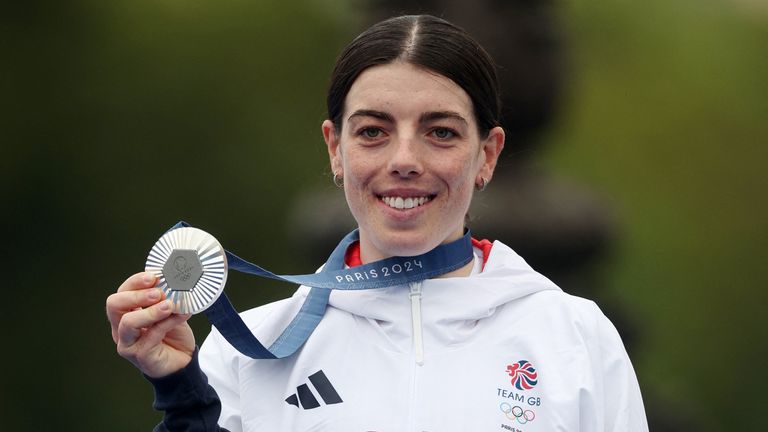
(524, 375)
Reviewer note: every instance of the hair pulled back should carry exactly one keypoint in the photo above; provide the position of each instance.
(428, 42)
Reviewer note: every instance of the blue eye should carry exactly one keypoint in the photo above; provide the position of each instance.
(443, 133)
(371, 132)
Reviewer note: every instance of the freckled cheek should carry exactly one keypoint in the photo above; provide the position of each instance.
(458, 177)
(358, 174)
(351, 160)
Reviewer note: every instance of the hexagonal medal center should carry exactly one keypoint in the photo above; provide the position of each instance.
(182, 270)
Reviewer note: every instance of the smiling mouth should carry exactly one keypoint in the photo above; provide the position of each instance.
(401, 203)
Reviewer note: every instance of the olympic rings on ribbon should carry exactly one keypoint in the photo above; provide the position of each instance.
(517, 413)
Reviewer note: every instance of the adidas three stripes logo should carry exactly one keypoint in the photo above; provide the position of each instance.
(306, 397)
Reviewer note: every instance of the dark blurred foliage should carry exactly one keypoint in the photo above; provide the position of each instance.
(119, 118)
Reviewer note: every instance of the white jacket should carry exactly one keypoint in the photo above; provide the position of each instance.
(481, 335)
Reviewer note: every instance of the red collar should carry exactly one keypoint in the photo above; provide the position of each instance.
(352, 257)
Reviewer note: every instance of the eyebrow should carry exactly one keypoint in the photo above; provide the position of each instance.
(381, 115)
(424, 118)
(440, 115)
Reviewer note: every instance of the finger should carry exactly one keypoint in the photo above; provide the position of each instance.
(130, 328)
(158, 332)
(120, 303)
(165, 347)
(138, 281)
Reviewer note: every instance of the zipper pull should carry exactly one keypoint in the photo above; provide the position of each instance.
(418, 340)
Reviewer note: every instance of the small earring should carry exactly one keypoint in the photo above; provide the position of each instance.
(482, 186)
(338, 181)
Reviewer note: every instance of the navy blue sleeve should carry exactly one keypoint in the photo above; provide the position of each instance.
(189, 402)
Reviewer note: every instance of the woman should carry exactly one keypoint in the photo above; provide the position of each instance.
(412, 130)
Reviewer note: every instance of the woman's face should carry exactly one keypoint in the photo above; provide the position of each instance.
(410, 155)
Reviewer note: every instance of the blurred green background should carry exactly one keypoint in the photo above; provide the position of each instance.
(120, 118)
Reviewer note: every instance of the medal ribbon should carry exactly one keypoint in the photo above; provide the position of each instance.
(379, 274)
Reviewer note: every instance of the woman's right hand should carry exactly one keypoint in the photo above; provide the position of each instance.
(145, 329)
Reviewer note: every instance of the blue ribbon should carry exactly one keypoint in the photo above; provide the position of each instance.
(379, 274)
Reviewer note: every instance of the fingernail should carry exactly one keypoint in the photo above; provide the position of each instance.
(154, 295)
(149, 278)
(165, 306)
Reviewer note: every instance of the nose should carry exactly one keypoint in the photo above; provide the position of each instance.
(405, 158)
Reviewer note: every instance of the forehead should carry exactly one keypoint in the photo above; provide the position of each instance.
(403, 89)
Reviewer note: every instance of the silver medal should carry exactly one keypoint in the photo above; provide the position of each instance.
(191, 267)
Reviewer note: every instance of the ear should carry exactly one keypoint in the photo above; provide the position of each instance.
(490, 149)
(334, 150)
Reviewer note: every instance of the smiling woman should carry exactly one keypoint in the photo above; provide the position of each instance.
(410, 153)
(489, 343)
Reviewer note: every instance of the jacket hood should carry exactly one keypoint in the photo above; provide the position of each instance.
(449, 305)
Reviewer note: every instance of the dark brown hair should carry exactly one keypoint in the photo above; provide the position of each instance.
(428, 42)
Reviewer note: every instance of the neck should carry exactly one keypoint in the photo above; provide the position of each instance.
(353, 258)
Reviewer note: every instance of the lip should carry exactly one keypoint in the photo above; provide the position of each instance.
(405, 193)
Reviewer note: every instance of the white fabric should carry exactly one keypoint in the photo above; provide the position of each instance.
(473, 328)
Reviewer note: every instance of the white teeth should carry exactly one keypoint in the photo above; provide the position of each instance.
(404, 203)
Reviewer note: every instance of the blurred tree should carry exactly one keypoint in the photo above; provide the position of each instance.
(118, 119)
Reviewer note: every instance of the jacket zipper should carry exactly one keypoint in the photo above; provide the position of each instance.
(414, 289)
(418, 340)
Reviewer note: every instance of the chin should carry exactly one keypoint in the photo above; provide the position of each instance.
(405, 244)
